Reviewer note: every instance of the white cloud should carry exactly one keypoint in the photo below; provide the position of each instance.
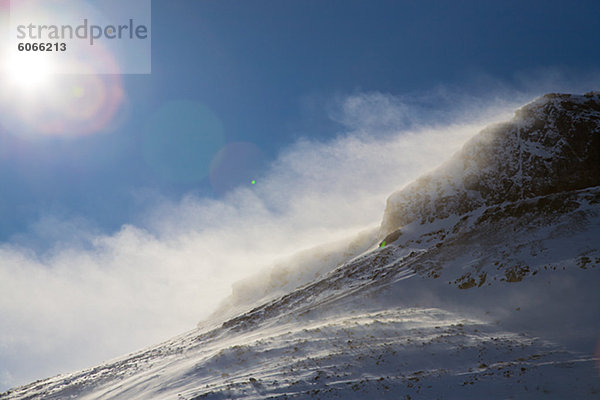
(79, 305)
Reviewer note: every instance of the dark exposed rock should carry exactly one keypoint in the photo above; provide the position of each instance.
(551, 145)
(392, 237)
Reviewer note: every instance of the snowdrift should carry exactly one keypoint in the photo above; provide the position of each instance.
(486, 287)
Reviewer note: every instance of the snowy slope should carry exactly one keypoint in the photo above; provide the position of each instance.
(486, 287)
(552, 145)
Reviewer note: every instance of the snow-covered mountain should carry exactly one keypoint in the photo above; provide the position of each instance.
(551, 146)
(482, 282)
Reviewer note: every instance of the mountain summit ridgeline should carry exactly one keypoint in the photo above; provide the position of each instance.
(552, 145)
(482, 282)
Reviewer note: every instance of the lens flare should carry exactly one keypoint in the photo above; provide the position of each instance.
(180, 140)
(28, 71)
(47, 94)
(235, 164)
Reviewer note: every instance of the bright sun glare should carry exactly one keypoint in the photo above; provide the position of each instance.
(28, 71)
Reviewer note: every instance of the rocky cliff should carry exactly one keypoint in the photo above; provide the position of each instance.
(551, 145)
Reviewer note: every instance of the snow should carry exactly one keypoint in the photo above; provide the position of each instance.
(489, 168)
(409, 352)
(475, 295)
(379, 326)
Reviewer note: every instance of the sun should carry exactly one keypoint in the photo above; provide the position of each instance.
(28, 70)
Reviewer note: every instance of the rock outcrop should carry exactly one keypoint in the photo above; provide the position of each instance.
(550, 146)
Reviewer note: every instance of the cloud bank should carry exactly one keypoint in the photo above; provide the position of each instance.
(94, 297)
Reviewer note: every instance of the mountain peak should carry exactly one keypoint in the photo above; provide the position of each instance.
(551, 145)
(502, 300)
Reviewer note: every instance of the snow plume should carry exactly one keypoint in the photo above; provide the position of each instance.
(89, 300)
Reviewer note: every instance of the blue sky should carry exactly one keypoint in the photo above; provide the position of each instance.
(269, 70)
(307, 97)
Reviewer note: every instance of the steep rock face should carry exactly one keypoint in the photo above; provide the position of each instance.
(551, 145)
(499, 300)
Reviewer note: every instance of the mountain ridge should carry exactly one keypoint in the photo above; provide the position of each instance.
(523, 158)
(486, 286)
